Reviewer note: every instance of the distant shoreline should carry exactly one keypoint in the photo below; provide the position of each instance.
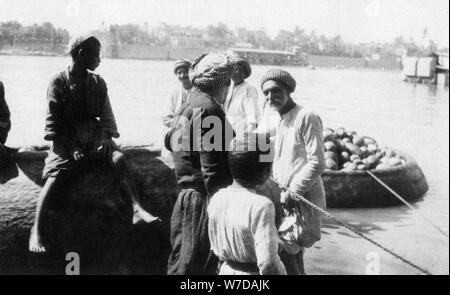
(318, 61)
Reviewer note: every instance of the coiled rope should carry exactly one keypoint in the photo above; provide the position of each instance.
(297, 197)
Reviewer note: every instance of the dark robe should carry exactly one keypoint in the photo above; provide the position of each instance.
(200, 173)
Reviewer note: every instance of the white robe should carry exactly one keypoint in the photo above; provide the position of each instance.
(242, 107)
(299, 163)
(176, 98)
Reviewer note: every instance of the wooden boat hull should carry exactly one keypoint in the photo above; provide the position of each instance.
(91, 217)
(357, 189)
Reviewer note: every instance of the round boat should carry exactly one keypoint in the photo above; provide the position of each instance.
(358, 189)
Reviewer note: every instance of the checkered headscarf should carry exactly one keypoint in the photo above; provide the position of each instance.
(211, 71)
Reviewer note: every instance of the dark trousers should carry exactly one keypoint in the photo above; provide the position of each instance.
(3, 135)
(189, 236)
(293, 263)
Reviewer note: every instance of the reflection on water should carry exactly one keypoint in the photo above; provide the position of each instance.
(432, 90)
(412, 118)
(362, 227)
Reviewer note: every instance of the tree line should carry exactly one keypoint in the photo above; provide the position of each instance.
(221, 36)
(12, 31)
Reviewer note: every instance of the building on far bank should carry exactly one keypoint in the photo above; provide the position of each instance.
(179, 36)
(191, 38)
(257, 38)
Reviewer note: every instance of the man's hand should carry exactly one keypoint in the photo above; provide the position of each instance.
(77, 154)
(287, 201)
(106, 147)
(2, 150)
(284, 196)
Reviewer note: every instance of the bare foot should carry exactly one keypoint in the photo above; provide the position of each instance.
(142, 215)
(35, 244)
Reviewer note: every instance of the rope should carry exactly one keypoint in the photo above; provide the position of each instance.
(407, 203)
(297, 197)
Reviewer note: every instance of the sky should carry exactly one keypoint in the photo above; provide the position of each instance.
(354, 20)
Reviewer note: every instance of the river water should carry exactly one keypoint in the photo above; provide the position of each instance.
(412, 118)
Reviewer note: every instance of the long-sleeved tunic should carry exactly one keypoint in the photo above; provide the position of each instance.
(176, 98)
(299, 163)
(77, 117)
(242, 107)
(201, 162)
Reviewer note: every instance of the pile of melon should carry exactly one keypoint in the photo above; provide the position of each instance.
(347, 151)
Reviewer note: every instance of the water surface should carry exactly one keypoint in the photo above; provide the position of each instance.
(412, 118)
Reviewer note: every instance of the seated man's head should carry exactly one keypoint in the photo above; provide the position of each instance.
(277, 86)
(246, 164)
(181, 70)
(85, 52)
(211, 73)
(242, 71)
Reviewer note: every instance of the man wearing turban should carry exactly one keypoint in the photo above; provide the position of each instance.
(178, 94)
(298, 163)
(201, 166)
(242, 106)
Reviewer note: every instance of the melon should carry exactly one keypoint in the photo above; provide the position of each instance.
(349, 151)
(328, 134)
(394, 162)
(368, 140)
(361, 167)
(330, 164)
(364, 151)
(345, 157)
(330, 146)
(353, 149)
(358, 140)
(331, 155)
(354, 157)
(340, 132)
(371, 161)
(340, 145)
(346, 140)
(372, 148)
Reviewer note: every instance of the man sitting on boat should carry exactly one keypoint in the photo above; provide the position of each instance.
(241, 225)
(299, 160)
(242, 106)
(178, 94)
(5, 122)
(81, 124)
